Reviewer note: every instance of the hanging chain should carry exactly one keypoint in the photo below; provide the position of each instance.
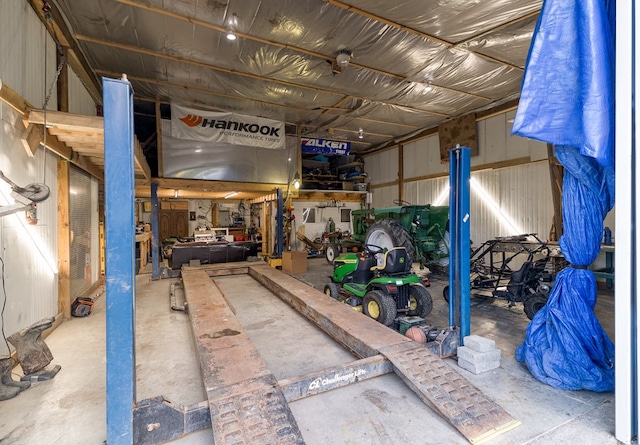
(55, 79)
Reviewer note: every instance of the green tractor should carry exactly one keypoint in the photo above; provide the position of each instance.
(378, 281)
(421, 229)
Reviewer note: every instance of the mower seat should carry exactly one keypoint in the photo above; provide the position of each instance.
(394, 261)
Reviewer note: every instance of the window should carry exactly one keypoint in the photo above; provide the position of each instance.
(308, 216)
(345, 215)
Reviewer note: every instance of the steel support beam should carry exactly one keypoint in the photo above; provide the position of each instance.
(120, 259)
(155, 233)
(460, 244)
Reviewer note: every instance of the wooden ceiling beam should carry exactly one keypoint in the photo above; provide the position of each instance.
(200, 185)
(81, 129)
(148, 52)
(15, 101)
(198, 90)
(67, 121)
(204, 24)
(416, 32)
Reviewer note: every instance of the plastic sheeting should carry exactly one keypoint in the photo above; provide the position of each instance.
(567, 100)
(280, 66)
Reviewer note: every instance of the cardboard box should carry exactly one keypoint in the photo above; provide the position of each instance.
(294, 261)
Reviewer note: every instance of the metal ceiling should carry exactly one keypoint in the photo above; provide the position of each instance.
(414, 64)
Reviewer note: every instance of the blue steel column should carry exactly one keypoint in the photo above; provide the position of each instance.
(120, 259)
(460, 242)
(155, 233)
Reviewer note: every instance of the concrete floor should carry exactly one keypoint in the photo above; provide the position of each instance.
(70, 409)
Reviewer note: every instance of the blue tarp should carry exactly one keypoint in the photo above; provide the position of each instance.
(567, 100)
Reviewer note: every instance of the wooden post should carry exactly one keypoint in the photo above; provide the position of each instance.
(556, 172)
(159, 139)
(64, 241)
(63, 83)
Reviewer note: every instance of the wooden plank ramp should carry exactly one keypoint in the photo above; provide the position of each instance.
(440, 386)
(245, 402)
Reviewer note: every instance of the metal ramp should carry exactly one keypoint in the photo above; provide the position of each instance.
(448, 393)
(248, 406)
(245, 402)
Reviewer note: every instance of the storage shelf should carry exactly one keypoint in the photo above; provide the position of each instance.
(350, 165)
(313, 163)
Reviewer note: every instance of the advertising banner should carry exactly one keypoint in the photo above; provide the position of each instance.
(325, 146)
(230, 128)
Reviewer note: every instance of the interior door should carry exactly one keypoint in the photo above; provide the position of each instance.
(173, 223)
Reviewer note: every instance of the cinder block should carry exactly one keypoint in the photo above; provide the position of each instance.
(478, 343)
(478, 368)
(470, 355)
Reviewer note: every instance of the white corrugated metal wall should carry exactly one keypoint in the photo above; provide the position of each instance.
(80, 101)
(504, 201)
(29, 252)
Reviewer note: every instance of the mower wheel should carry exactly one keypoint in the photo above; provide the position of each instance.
(534, 303)
(420, 301)
(379, 306)
(445, 293)
(332, 290)
(331, 253)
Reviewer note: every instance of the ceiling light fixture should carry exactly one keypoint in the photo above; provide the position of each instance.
(296, 181)
(360, 134)
(343, 58)
(232, 25)
(175, 193)
(229, 195)
(428, 87)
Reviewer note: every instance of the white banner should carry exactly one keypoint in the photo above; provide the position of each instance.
(231, 128)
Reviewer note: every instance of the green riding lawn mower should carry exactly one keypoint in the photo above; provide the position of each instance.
(378, 281)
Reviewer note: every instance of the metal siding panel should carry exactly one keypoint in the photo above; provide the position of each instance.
(522, 192)
(13, 38)
(422, 158)
(383, 167)
(29, 252)
(493, 140)
(23, 53)
(80, 101)
(384, 196)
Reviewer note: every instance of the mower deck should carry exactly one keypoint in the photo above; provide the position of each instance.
(239, 384)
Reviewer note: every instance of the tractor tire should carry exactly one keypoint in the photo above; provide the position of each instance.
(420, 301)
(379, 306)
(332, 290)
(534, 303)
(331, 253)
(389, 233)
(445, 293)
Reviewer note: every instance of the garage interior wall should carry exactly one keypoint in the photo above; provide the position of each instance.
(322, 211)
(30, 252)
(83, 223)
(504, 200)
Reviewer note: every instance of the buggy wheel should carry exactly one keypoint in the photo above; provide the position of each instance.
(420, 301)
(331, 253)
(379, 306)
(332, 290)
(389, 233)
(534, 303)
(445, 293)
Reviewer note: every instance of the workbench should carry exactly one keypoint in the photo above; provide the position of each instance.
(144, 241)
(608, 272)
